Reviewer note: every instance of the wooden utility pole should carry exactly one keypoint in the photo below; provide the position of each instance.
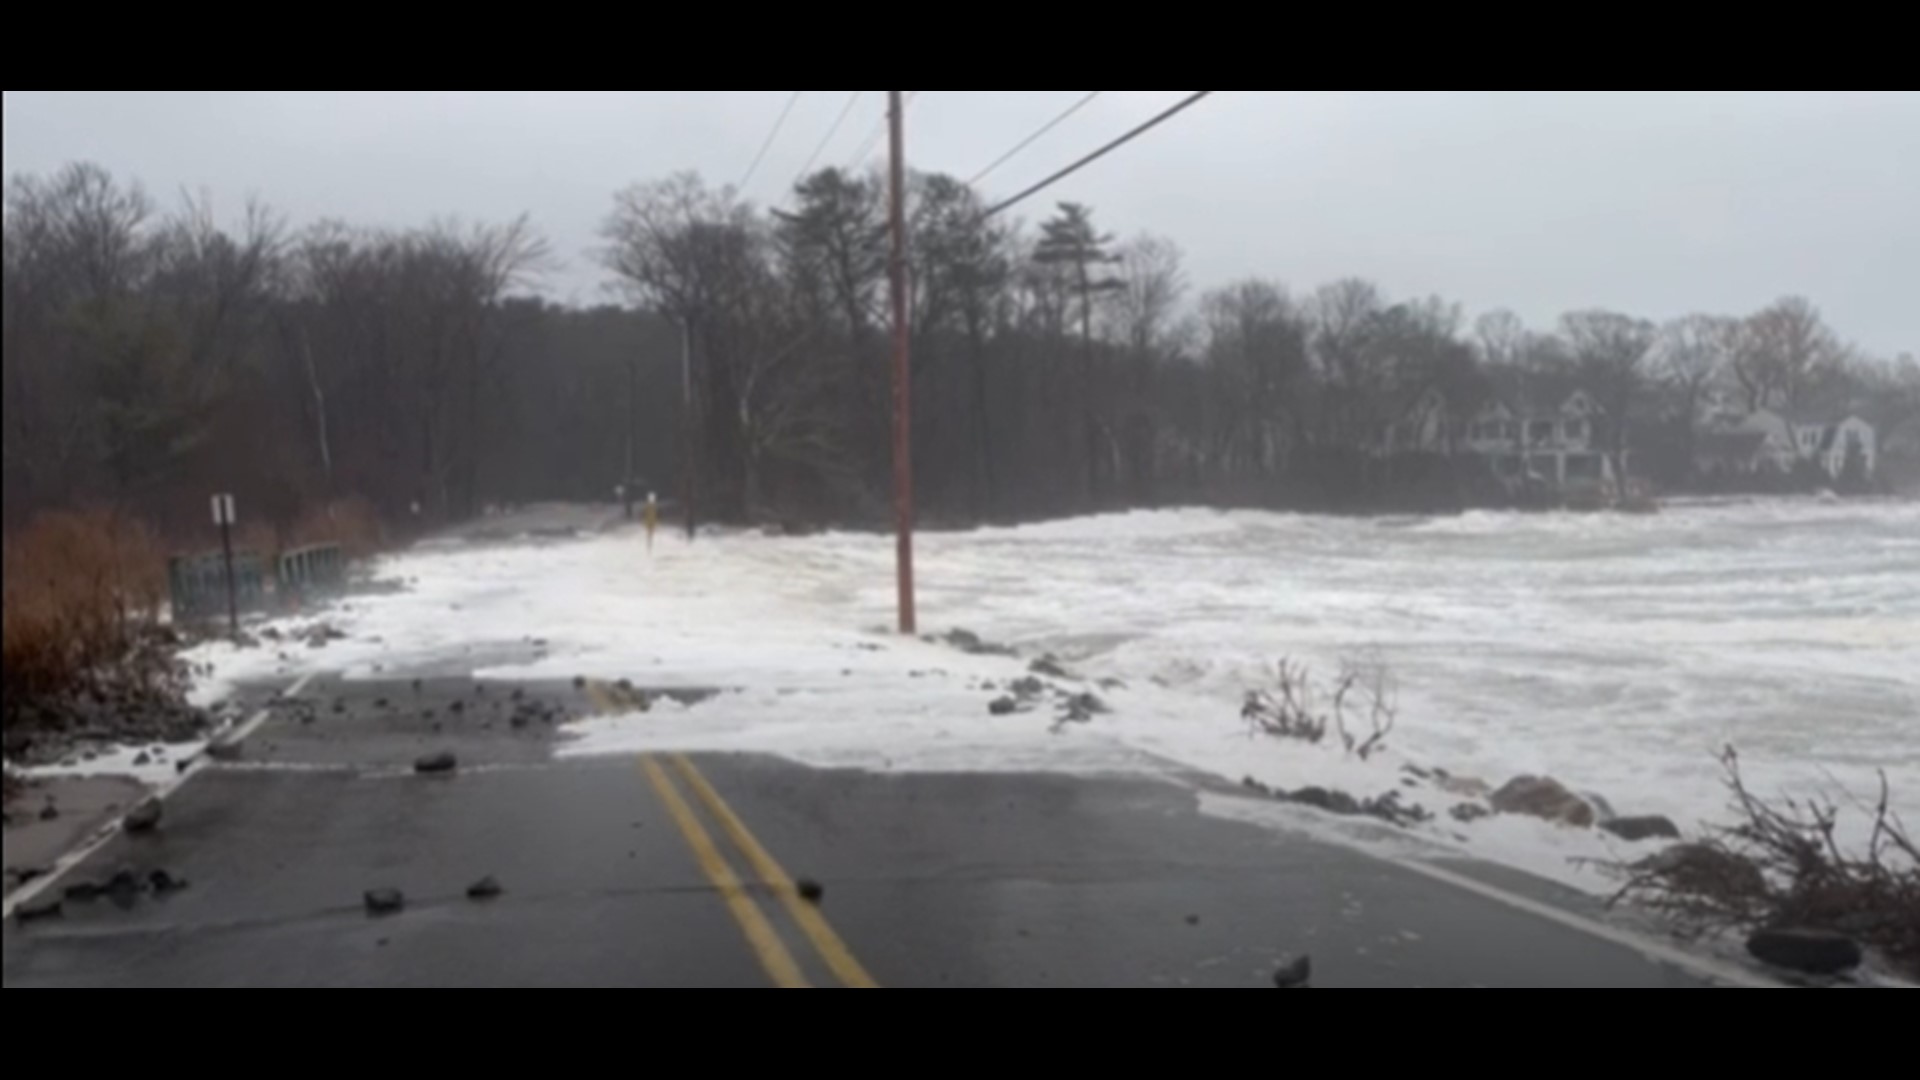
(902, 361)
(689, 436)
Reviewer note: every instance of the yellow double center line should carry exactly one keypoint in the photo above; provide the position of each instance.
(765, 940)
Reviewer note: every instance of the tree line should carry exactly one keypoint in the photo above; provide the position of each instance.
(154, 356)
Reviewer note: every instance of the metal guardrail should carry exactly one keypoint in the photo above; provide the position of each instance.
(198, 584)
(310, 572)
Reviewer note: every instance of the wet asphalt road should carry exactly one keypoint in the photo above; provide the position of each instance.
(679, 873)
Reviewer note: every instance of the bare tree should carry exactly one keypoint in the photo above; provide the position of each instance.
(1257, 343)
(1502, 337)
(1693, 354)
(1783, 352)
(1613, 351)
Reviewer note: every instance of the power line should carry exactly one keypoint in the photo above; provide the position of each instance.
(879, 131)
(1123, 140)
(761, 157)
(838, 123)
(1035, 137)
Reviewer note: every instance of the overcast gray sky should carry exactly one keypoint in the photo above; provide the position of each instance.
(1656, 202)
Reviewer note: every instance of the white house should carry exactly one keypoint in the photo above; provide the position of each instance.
(1768, 440)
(1548, 432)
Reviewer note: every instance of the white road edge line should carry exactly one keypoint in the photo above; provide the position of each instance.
(1701, 966)
(33, 890)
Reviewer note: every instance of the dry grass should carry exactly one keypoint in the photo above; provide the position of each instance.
(77, 587)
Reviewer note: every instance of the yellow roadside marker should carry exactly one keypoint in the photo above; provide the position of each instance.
(839, 959)
(761, 936)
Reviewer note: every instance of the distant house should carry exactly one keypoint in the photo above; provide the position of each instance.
(1540, 431)
(1546, 430)
(1765, 441)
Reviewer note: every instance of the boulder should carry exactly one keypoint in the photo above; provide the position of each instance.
(39, 910)
(1809, 952)
(145, 818)
(437, 765)
(485, 889)
(1467, 813)
(1005, 706)
(383, 902)
(228, 747)
(1636, 830)
(1338, 803)
(1296, 974)
(1547, 799)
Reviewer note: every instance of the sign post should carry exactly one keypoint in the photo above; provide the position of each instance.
(225, 517)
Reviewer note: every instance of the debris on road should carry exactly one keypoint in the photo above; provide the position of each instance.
(812, 891)
(1809, 952)
(40, 911)
(1295, 974)
(383, 902)
(145, 818)
(1636, 830)
(1050, 666)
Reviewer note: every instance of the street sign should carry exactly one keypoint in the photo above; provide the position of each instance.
(226, 517)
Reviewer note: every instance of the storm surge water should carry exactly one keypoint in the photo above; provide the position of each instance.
(1620, 653)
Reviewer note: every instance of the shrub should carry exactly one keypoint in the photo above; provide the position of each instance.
(1295, 708)
(1781, 867)
(77, 586)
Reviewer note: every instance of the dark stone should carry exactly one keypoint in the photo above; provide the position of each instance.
(145, 818)
(1547, 799)
(1029, 687)
(143, 760)
(1295, 974)
(1338, 803)
(162, 883)
(40, 910)
(1005, 706)
(580, 682)
(812, 891)
(1193, 920)
(1810, 952)
(485, 889)
(1050, 667)
(1636, 830)
(225, 748)
(124, 885)
(439, 764)
(384, 902)
(521, 695)
(418, 686)
(1467, 813)
(50, 812)
(458, 708)
(1090, 704)
(1257, 787)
